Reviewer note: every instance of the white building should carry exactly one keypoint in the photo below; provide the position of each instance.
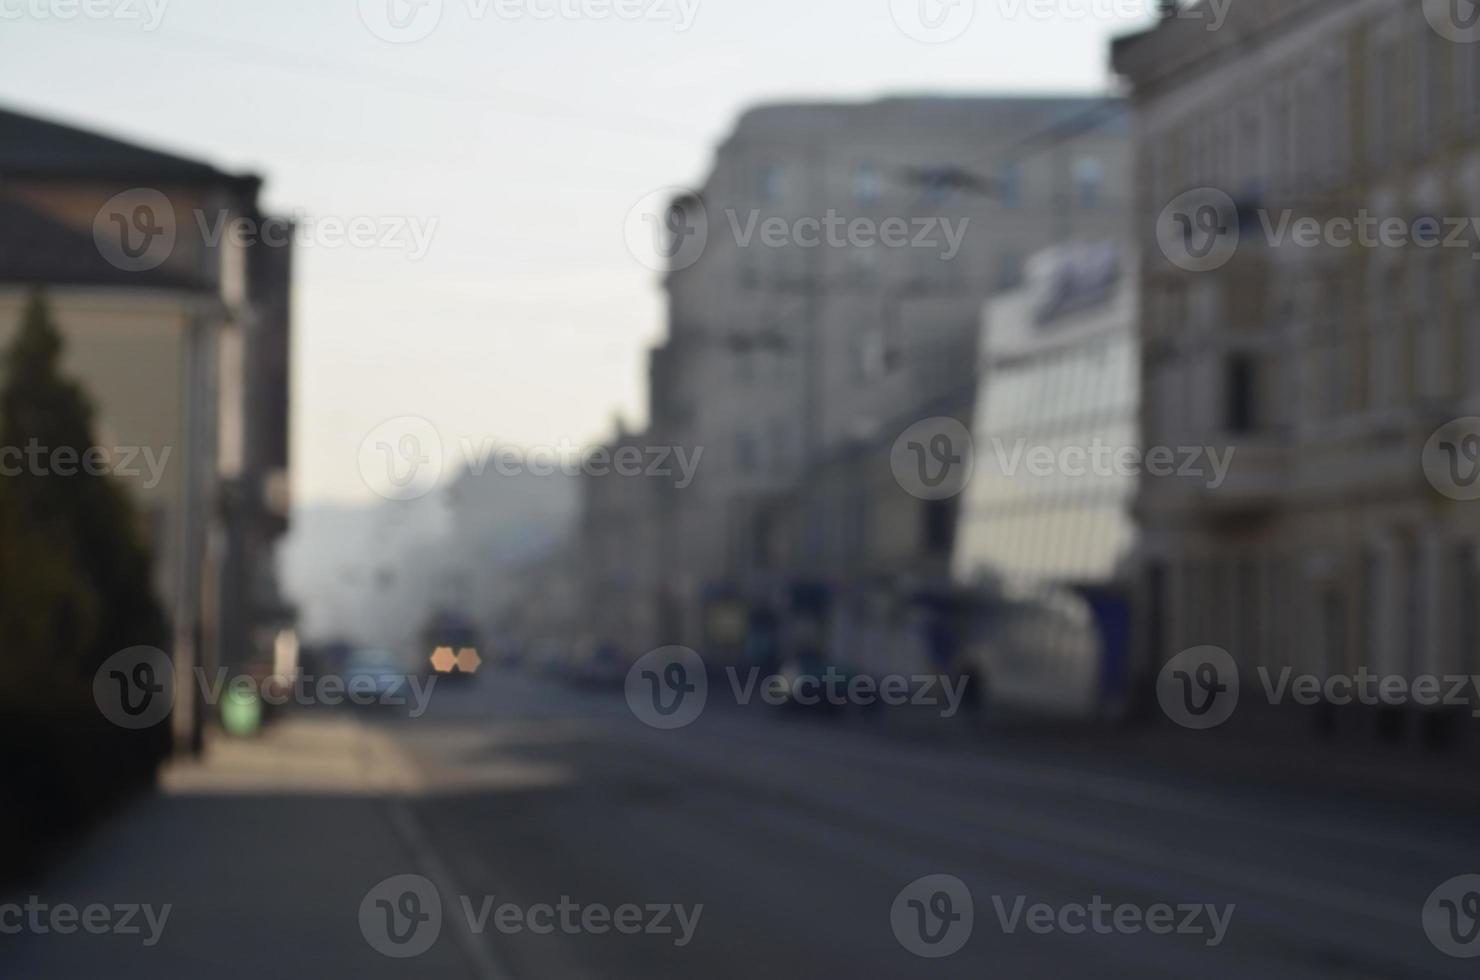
(1046, 520)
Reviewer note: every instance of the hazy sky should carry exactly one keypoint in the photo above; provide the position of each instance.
(526, 139)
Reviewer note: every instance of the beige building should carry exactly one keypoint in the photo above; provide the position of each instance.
(181, 343)
(1326, 357)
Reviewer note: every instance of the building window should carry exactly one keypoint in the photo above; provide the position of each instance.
(1466, 592)
(938, 524)
(872, 353)
(1010, 184)
(771, 187)
(780, 444)
(1467, 66)
(1251, 153)
(745, 460)
(1429, 73)
(1382, 94)
(1281, 144)
(1241, 400)
(868, 185)
(1089, 182)
(1009, 271)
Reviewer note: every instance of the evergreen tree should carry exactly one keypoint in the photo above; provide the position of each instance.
(75, 575)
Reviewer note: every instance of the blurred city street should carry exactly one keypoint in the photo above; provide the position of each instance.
(795, 834)
(608, 489)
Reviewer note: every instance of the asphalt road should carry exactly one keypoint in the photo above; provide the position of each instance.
(798, 837)
(563, 838)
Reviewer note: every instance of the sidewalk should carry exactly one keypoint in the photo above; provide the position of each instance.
(264, 851)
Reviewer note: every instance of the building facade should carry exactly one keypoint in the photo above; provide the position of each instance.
(182, 342)
(1328, 358)
(793, 357)
(1046, 532)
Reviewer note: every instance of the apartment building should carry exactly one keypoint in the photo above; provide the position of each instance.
(1327, 357)
(183, 344)
(619, 537)
(848, 251)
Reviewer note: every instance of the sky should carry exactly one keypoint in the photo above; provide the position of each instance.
(515, 136)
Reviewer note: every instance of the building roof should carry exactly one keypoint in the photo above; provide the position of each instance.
(1187, 42)
(38, 249)
(35, 147)
(818, 121)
